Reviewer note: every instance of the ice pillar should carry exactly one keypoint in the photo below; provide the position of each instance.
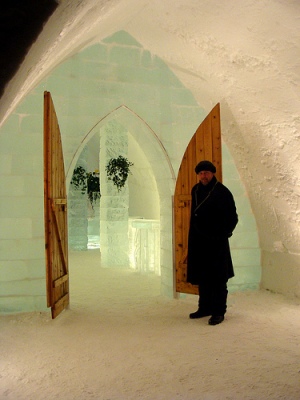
(114, 204)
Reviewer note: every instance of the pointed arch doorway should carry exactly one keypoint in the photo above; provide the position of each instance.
(204, 145)
(162, 172)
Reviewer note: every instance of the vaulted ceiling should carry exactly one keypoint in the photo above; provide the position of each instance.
(21, 21)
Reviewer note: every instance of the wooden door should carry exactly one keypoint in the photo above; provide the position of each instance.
(55, 205)
(204, 145)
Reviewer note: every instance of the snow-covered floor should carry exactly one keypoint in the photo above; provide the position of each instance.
(122, 340)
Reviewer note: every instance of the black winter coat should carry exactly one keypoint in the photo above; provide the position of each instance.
(213, 219)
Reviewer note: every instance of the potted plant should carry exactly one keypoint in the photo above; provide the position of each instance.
(93, 186)
(87, 182)
(118, 170)
(79, 179)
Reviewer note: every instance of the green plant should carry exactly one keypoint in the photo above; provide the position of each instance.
(87, 182)
(93, 186)
(118, 170)
(79, 179)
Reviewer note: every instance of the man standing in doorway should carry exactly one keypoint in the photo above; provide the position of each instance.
(209, 263)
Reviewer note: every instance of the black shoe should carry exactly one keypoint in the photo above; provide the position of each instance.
(199, 314)
(216, 319)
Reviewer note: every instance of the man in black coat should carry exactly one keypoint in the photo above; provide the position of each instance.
(209, 263)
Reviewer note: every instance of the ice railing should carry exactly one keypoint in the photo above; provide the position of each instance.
(144, 245)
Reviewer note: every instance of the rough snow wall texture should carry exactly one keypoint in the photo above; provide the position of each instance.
(116, 80)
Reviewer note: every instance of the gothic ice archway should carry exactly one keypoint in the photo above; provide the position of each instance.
(106, 76)
(143, 134)
(126, 120)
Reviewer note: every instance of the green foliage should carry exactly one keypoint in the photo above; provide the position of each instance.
(93, 187)
(118, 170)
(79, 179)
(87, 182)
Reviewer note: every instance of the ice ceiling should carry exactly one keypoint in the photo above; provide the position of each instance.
(244, 55)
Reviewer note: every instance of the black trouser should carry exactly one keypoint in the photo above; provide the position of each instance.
(213, 296)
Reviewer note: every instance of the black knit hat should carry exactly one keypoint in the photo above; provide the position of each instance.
(205, 166)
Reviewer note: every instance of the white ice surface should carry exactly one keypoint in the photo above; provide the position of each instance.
(121, 339)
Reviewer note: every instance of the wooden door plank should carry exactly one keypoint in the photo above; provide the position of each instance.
(60, 305)
(55, 199)
(60, 280)
(61, 248)
(204, 145)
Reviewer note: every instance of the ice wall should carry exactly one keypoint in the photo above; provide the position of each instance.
(22, 254)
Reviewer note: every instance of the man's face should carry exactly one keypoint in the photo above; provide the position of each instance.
(205, 177)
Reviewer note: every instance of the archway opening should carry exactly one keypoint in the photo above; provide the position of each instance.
(146, 231)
